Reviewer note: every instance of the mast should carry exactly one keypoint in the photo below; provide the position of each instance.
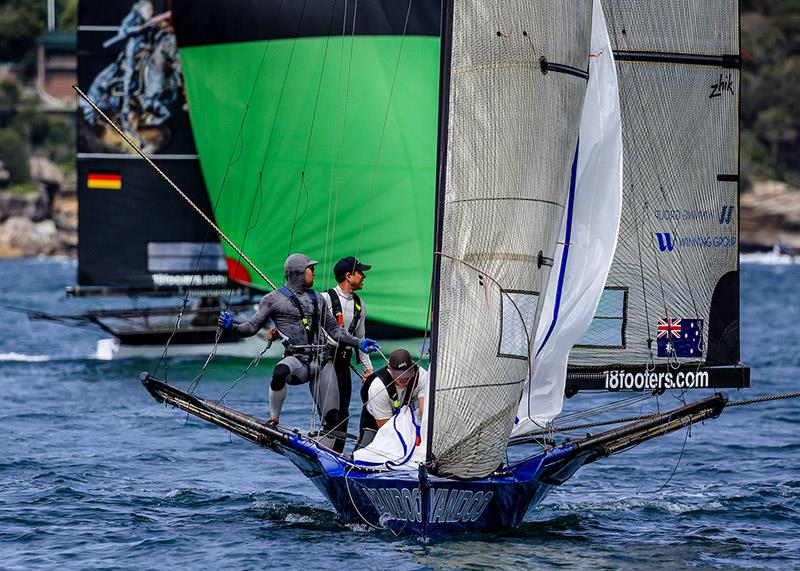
(441, 179)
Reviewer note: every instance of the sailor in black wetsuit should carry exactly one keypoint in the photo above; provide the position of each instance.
(350, 314)
(299, 315)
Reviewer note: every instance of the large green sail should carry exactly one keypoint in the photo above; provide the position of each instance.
(321, 144)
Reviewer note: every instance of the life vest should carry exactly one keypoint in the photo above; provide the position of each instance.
(367, 420)
(338, 313)
(343, 354)
(312, 327)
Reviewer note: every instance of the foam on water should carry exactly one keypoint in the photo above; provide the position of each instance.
(21, 357)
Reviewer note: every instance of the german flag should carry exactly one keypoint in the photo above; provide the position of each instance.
(111, 180)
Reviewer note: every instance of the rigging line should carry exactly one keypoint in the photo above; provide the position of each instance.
(178, 190)
(334, 141)
(352, 501)
(254, 363)
(311, 132)
(259, 189)
(365, 208)
(644, 287)
(238, 145)
(330, 238)
(680, 456)
(344, 132)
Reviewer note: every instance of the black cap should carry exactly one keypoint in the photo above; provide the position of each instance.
(400, 360)
(348, 265)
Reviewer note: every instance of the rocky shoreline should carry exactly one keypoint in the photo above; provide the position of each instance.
(45, 222)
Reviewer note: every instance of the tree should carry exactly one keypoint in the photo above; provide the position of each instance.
(14, 154)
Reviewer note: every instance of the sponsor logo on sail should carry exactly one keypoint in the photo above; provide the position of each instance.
(446, 505)
(192, 280)
(667, 241)
(723, 86)
(726, 215)
(644, 380)
(683, 214)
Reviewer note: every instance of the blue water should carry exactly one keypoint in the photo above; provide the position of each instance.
(94, 474)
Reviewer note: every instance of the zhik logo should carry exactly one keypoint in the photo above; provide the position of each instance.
(665, 243)
(724, 85)
(726, 215)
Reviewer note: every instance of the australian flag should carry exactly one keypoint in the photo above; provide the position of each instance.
(680, 337)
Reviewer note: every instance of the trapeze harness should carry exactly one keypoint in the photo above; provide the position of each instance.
(368, 425)
(343, 354)
(310, 327)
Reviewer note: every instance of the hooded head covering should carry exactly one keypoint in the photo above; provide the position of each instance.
(294, 268)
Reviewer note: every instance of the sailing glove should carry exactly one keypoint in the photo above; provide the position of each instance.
(225, 320)
(368, 346)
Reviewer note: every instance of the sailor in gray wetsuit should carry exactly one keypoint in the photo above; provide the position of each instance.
(299, 314)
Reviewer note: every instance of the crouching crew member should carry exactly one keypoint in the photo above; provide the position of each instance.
(299, 315)
(350, 314)
(384, 393)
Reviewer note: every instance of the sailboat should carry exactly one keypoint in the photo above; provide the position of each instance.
(136, 241)
(513, 315)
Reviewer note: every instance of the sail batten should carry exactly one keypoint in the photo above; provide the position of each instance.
(511, 136)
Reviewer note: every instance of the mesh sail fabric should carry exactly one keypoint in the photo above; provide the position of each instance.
(586, 242)
(511, 141)
(676, 26)
(672, 293)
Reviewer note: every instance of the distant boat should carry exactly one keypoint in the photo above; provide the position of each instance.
(135, 239)
(525, 265)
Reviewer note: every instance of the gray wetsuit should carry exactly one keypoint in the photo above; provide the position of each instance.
(299, 366)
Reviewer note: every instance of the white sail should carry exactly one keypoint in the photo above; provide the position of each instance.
(587, 241)
(517, 80)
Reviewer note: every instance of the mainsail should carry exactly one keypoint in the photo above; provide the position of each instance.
(514, 78)
(672, 296)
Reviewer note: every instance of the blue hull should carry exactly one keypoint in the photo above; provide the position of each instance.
(422, 505)
(398, 502)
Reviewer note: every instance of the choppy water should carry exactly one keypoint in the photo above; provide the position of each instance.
(94, 474)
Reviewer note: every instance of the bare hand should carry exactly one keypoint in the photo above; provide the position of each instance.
(367, 373)
(272, 334)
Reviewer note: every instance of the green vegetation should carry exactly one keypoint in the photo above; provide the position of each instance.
(21, 24)
(771, 90)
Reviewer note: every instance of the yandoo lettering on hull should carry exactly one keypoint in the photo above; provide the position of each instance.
(446, 505)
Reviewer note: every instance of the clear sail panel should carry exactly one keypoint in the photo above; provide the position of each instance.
(518, 78)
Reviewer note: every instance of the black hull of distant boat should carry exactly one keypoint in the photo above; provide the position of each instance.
(422, 504)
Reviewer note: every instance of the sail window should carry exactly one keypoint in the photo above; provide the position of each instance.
(517, 316)
(607, 329)
(185, 257)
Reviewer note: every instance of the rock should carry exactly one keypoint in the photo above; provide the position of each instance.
(33, 205)
(770, 213)
(45, 171)
(65, 212)
(28, 238)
